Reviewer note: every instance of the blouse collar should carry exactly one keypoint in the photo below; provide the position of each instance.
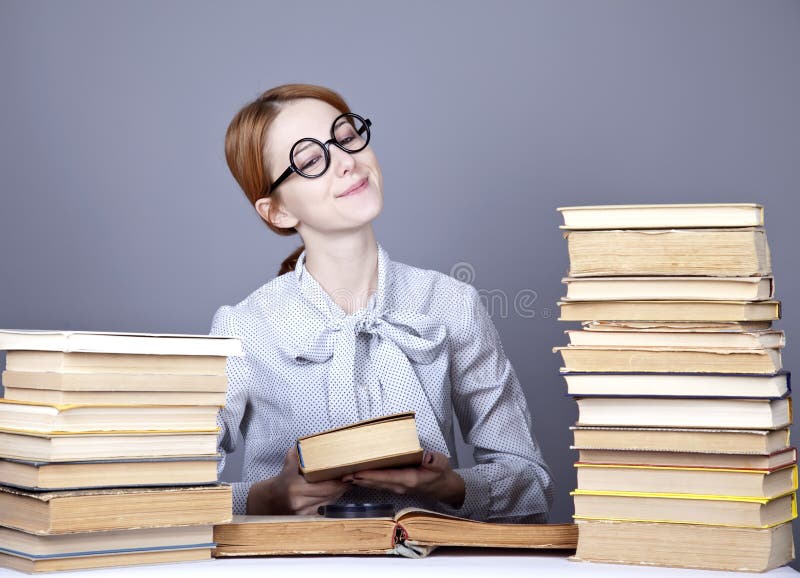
(322, 302)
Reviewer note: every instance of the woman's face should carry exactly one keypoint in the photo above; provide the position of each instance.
(318, 203)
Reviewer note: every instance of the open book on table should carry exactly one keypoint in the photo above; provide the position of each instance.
(411, 532)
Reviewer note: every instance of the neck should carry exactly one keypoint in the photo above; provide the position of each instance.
(346, 266)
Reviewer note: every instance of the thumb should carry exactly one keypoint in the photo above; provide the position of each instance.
(291, 461)
(435, 461)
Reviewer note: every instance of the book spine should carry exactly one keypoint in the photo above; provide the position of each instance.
(719, 525)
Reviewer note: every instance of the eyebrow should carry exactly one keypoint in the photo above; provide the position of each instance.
(303, 147)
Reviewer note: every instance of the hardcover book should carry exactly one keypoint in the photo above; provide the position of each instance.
(32, 553)
(46, 418)
(671, 288)
(173, 471)
(768, 462)
(674, 384)
(105, 363)
(120, 343)
(687, 480)
(671, 311)
(765, 339)
(88, 510)
(384, 442)
(657, 216)
(670, 359)
(674, 252)
(706, 413)
(707, 509)
(64, 447)
(685, 545)
(691, 440)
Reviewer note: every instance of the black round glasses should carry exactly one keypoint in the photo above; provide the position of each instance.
(310, 158)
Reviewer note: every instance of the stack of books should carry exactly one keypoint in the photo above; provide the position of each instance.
(108, 448)
(684, 407)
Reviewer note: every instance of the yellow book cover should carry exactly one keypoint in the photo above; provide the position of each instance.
(662, 513)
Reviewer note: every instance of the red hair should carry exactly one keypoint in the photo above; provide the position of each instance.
(244, 146)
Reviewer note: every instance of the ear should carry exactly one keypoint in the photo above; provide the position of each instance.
(280, 217)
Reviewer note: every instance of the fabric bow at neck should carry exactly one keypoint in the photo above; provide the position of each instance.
(397, 339)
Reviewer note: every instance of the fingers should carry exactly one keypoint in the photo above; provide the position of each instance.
(424, 479)
(399, 476)
(320, 489)
(304, 497)
(397, 480)
(310, 508)
(375, 485)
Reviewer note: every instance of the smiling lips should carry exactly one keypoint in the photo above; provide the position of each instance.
(360, 185)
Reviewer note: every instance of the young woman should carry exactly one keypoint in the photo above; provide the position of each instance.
(344, 333)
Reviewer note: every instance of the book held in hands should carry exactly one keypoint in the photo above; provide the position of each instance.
(383, 442)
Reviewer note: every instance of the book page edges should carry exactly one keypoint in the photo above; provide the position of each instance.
(702, 497)
(58, 433)
(217, 488)
(407, 458)
(665, 348)
(70, 406)
(790, 449)
(754, 471)
(752, 280)
(660, 206)
(66, 344)
(163, 459)
(763, 527)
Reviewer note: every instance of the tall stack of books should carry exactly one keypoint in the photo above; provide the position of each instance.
(108, 448)
(684, 407)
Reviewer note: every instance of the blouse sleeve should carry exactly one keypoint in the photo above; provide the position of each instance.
(239, 372)
(511, 481)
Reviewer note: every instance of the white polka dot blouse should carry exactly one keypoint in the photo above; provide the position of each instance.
(424, 343)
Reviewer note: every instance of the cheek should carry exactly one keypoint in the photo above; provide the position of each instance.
(370, 160)
(304, 198)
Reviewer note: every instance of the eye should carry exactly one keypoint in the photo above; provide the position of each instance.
(310, 163)
(346, 134)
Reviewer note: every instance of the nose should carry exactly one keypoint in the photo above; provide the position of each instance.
(341, 161)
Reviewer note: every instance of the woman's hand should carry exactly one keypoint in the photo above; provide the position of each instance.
(290, 493)
(434, 478)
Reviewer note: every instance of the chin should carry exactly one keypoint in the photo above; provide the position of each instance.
(371, 212)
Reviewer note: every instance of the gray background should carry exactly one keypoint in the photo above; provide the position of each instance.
(119, 213)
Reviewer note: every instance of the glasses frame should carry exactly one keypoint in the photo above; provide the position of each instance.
(367, 123)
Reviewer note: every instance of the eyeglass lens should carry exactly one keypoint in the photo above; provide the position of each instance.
(350, 133)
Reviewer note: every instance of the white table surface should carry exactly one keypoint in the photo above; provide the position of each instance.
(461, 562)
